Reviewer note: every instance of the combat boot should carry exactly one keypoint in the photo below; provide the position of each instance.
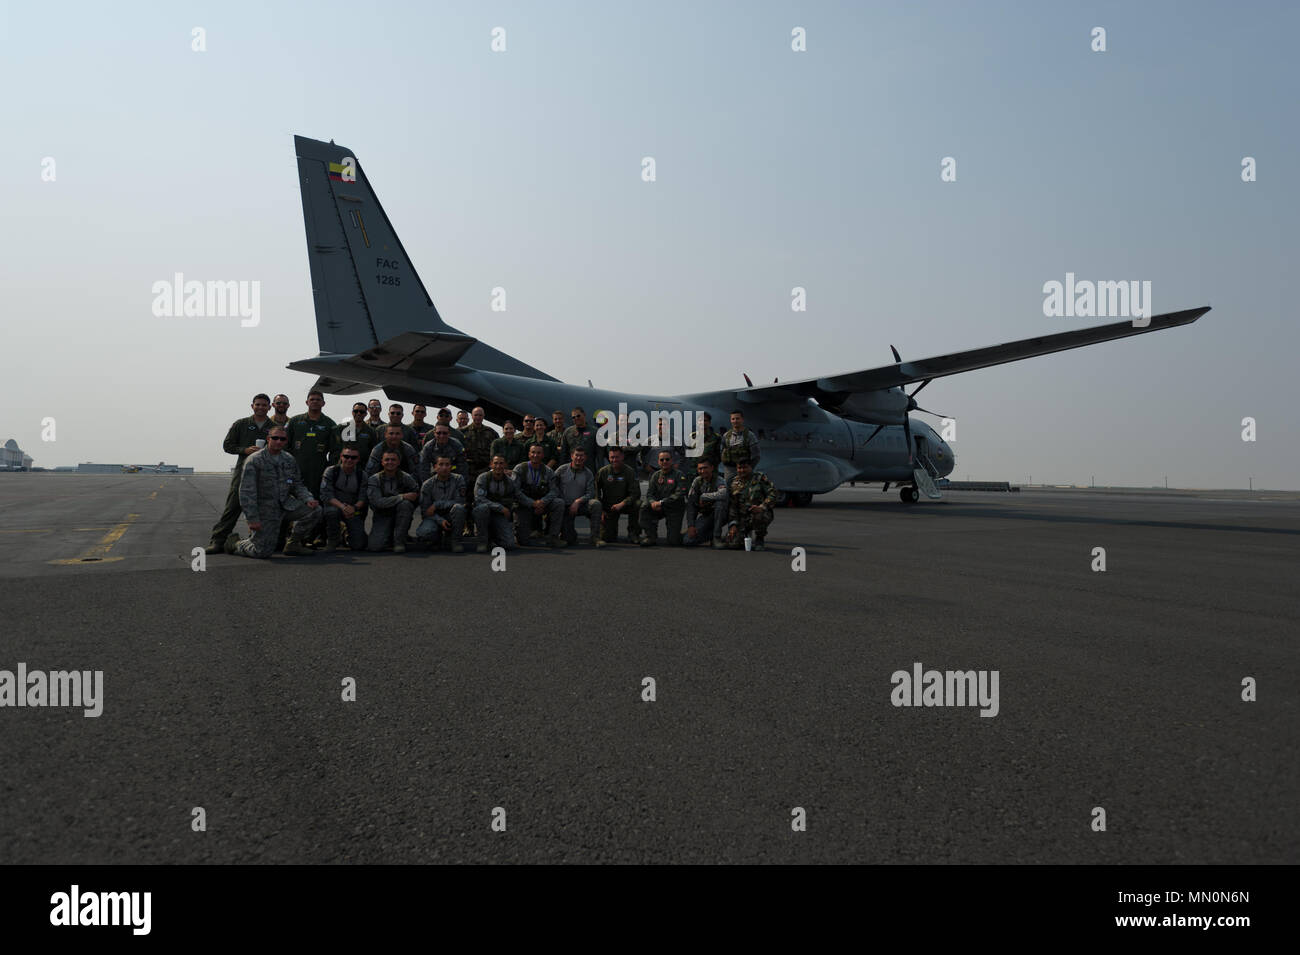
(215, 547)
(553, 541)
(231, 543)
(398, 548)
(457, 548)
(294, 548)
(331, 546)
(758, 542)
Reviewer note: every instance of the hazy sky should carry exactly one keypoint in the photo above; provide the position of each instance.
(775, 169)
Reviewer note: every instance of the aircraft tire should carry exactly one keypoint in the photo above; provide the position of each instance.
(909, 495)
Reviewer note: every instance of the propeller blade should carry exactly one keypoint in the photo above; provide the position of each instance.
(747, 381)
(922, 385)
(897, 357)
(907, 432)
(937, 414)
(872, 435)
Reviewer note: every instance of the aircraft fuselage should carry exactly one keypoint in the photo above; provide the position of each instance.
(804, 447)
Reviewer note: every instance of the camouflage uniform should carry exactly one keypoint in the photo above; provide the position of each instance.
(556, 436)
(537, 485)
(574, 485)
(409, 463)
(669, 488)
(709, 446)
(494, 502)
(271, 491)
(309, 443)
(363, 438)
(392, 512)
(743, 495)
(511, 450)
(738, 446)
(706, 509)
(449, 498)
(477, 441)
(430, 453)
(350, 489)
(612, 487)
(244, 433)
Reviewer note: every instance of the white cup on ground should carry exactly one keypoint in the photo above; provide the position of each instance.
(749, 543)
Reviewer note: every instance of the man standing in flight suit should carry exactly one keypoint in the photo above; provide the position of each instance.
(244, 437)
(508, 447)
(738, 444)
(310, 435)
(361, 436)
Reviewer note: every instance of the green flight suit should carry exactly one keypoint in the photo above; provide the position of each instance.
(611, 488)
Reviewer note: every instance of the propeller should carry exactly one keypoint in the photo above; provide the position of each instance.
(911, 406)
(747, 381)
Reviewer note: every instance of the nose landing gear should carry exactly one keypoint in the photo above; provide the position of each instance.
(909, 495)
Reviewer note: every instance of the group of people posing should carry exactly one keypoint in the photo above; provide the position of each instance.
(307, 481)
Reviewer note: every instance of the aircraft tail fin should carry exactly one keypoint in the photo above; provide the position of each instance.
(365, 290)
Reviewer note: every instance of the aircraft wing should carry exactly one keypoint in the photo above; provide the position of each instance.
(834, 390)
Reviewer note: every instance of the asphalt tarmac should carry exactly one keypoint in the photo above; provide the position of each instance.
(522, 689)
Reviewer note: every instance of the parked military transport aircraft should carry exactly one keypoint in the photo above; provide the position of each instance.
(377, 327)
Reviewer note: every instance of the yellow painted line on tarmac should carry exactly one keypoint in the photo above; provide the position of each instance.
(99, 553)
(51, 530)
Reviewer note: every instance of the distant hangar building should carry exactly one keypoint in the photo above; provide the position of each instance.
(12, 457)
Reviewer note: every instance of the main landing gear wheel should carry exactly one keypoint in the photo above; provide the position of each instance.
(909, 495)
(803, 498)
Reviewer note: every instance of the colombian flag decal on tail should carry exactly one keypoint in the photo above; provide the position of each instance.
(344, 171)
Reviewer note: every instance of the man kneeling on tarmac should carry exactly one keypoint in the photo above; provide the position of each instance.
(271, 491)
(392, 494)
(442, 502)
(751, 499)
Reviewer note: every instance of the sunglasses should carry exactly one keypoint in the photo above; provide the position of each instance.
(277, 437)
(351, 457)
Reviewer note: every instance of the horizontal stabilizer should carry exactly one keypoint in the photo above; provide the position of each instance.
(415, 354)
(336, 386)
(416, 351)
